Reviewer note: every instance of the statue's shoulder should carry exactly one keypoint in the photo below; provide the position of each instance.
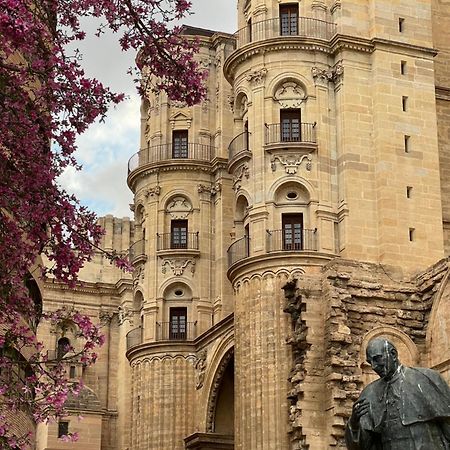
(372, 388)
(425, 372)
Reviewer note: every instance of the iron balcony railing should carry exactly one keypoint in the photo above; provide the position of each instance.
(163, 152)
(278, 133)
(239, 144)
(176, 331)
(134, 337)
(238, 250)
(283, 240)
(169, 241)
(136, 250)
(272, 28)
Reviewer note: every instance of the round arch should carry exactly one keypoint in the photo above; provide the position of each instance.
(300, 181)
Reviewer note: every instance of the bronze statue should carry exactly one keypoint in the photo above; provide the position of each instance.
(405, 409)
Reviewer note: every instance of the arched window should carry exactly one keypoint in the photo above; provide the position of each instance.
(63, 347)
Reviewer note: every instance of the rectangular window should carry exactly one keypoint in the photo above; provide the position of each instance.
(404, 103)
(290, 125)
(289, 20)
(292, 231)
(406, 143)
(179, 234)
(411, 234)
(408, 191)
(72, 372)
(249, 31)
(401, 24)
(178, 324)
(63, 428)
(403, 67)
(180, 144)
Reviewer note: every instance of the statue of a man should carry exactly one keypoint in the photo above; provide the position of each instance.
(405, 409)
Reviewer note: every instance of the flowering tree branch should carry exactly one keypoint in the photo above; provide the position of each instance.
(46, 101)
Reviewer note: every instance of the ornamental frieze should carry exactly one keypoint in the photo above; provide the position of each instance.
(327, 75)
(257, 77)
(178, 266)
(291, 163)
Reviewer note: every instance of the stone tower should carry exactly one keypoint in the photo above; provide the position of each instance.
(335, 155)
(183, 220)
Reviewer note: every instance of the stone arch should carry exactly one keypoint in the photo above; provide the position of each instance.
(240, 106)
(290, 77)
(299, 181)
(139, 213)
(438, 329)
(138, 300)
(178, 206)
(241, 206)
(407, 350)
(171, 284)
(220, 368)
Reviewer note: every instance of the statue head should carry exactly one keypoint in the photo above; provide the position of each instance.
(382, 355)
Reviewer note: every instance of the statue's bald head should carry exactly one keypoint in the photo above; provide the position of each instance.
(382, 355)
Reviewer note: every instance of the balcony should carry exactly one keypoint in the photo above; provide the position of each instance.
(136, 252)
(238, 250)
(173, 241)
(167, 152)
(281, 241)
(305, 27)
(134, 337)
(278, 135)
(238, 149)
(176, 331)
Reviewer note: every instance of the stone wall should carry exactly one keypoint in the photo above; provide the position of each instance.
(360, 301)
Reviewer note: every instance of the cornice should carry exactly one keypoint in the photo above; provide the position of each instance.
(84, 287)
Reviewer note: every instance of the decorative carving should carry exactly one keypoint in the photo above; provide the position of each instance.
(290, 95)
(205, 105)
(218, 61)
(243, 171)
(105, 317)
(153, 191)
(138, 276)
(256, 77)
(327, 75)
(291, 163)
(230, 101)
(178, 266)
(179, 208)
(200, 367)
(124, 314)
(213, 190)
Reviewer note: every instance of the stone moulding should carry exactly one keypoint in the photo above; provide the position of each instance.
(178, 266)
(291, 163)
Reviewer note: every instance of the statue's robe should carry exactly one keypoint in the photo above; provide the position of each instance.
(409, 412)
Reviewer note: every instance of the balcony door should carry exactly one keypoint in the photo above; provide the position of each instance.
(290, 125)
(180, 144)
(178, 324)
(178, 234)
(292, 231)
(289, 20)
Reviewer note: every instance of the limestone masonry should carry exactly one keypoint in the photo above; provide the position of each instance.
(300, 210)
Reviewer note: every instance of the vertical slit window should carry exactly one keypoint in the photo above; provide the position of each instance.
(404, 103)
(406, 143)
(411, 234)
(403, 67)
(408, 191)
(401, 24)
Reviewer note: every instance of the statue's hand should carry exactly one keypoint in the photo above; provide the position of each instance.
(360, 408)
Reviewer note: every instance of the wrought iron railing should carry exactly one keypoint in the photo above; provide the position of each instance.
(176, 331)
(277, 133)
(239, 144)
(134, 337)
(280, 240)
(272, 28)
(163, 152)
(238, 250)
(137, 250)
(168, 241)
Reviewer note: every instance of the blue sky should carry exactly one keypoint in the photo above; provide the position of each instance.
(105, 148)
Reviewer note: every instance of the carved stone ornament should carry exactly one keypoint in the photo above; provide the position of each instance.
(256, 77)
(327, 75)
(179, 208)
(242, 172)
(105, 317)
(230, 101)
(291, 163)
(200, 369)
(138, 275)
(290, 95)
(177, 266)
(213, 190)
(124, 314)
(153, 191)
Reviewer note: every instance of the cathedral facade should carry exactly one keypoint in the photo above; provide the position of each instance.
(300, 210)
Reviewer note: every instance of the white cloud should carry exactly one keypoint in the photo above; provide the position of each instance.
(105, 148)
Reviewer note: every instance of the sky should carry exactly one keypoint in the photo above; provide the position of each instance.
(104, 150)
